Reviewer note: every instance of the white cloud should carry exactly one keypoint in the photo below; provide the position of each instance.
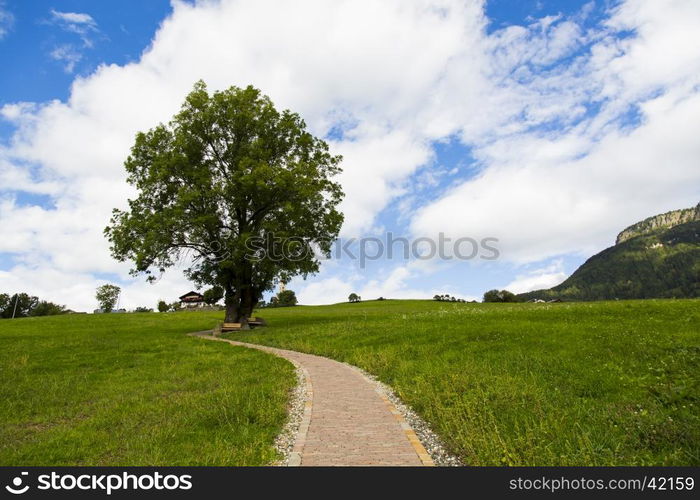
(77, 290)
(538, 279)
(74, 18)
(79, 23)
(395, 76)
(7, 20)
(68, 55)
(570, 191)
(393, 284)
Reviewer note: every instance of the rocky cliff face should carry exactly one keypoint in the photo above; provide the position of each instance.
(662, 221)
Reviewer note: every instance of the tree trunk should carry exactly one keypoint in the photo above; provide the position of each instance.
(240, 305)
(233, 305)
(248, 302)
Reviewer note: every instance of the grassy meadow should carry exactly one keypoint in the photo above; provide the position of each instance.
(598, 383)
(132, 389)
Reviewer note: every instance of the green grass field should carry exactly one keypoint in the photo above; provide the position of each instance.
(606, 383)
(517, 384)
(132, 389)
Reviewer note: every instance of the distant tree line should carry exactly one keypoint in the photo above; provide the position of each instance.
(22, 305)
(447, 298)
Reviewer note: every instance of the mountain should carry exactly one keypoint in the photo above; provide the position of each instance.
(658, 257)
(663, 221)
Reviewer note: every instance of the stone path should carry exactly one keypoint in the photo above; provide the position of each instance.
(346, 420)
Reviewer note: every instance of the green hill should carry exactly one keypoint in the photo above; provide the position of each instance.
(656, 258)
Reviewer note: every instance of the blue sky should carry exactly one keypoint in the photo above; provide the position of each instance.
(540, 123)
(123, 30)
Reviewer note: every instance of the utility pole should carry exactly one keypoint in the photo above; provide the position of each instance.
(15, 309)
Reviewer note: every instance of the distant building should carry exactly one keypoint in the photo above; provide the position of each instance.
(191, 300)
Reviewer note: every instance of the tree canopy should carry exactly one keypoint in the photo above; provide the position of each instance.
(286, 298)
(107, 296)
(499, 296)
(21, 305)
(239, 189)
(213, 295)
(18, 305)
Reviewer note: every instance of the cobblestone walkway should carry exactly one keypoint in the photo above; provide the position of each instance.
(346, 420)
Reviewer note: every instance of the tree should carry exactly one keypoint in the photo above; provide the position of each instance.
(46, 308)
(286, 298)
(353, 297)
(163, 306)
(4, 303)
(499, 296)
(240, 187)
(107, 296)
(18, 305)
(143, 309)
(213, 295)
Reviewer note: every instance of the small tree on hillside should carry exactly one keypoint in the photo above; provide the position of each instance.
(242, 188)
(353, 297)
(499, 296)
(163, 306)
(286, 298)
(107, 296)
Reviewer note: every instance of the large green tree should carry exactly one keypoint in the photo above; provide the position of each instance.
(242, 188)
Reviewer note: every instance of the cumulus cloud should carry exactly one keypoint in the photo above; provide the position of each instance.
(571, 189)
(539, 106)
